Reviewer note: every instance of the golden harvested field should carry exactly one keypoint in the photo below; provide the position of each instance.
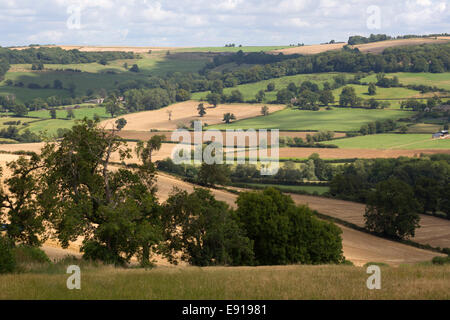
(378, 47)
(373, 47)
(34, 147)
(312, 49)
(338, 153)
(184, 112)
(333, 153)
(144, 136)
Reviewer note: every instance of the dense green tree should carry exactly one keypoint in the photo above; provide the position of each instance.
(7, 258)
(228, 117)
(372, 89)
(70, 114)
(326, 97)
(271, 87)
(204, 230)
(260, 96)
(213, 174)
(20, 110)
(115, 210)
(52, 113)
(265, 111)
(57, 84)
(19, 203)
(201, 110)
(236, 96)
(348, 97)
(217, 87)
(113, 105)
(284, 233)
(135, 68)
(214, 99)
(392, 210)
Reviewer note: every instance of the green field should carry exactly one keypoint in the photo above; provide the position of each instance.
(440, 80)
(250, 90)
(24, 94)
(424, 128)
(94, 76)
(382, 93)
(392, 141)
(423, 281)
(293, 188)
(85, 111)
(338, 119)
(50, 126)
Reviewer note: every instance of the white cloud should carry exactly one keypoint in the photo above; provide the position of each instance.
(206, 22)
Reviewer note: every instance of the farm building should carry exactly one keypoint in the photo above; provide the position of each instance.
(441, 135)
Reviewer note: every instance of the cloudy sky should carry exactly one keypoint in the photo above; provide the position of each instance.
(213, 22)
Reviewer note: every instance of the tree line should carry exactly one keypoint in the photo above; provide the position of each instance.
(60, 56)
(425, 180)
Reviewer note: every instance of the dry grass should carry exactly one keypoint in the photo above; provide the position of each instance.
(312, 49)
(183, 113)
(249, 283)
(378, 47)
(354, 153)
(144, 136)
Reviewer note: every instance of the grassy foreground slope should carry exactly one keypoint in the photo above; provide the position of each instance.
(287, 282)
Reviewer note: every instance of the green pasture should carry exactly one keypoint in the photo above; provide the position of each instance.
(251, 89)
(293, 188)
(337, 119)
(440, 80)
(382, 93)
(392, 141)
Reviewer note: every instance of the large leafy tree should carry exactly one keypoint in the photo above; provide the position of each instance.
(204, 230)
(20, 210)
(392, 209)
(348, 97)
(284, 233)
(114, 209)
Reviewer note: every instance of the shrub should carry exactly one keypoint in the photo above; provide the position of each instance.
(7, 259)
(27, 254)
(441, 260)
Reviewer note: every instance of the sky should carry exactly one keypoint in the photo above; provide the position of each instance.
(214, 22)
